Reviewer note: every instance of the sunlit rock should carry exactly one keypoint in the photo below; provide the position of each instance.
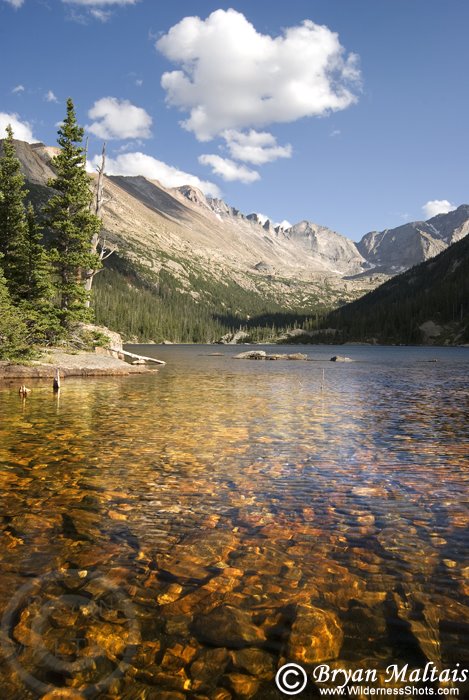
(316, 635)
(208, 667)
(228, 626)
(243, 686)
(254, 661)
(191, 560)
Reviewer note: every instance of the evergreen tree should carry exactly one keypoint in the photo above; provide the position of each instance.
(13, 332)
(38, 293)
(70, 221)
(13, 224)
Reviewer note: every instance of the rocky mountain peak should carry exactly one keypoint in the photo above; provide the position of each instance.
(193, 194)
(146, 216)
(223, 209)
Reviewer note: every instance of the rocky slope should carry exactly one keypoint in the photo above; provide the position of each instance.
(395, 250)
(200, 241)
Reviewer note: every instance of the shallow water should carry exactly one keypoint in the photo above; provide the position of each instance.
(239, 514)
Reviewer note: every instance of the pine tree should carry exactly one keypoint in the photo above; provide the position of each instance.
(70, 222)
(13, 333)
(13, 223)
(38, 292)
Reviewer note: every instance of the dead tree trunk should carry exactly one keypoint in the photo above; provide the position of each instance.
(98, 244)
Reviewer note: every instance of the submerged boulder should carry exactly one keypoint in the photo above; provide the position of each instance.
(316, 636)
(227, 626)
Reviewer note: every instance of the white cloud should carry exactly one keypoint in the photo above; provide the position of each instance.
(15, 3)
(18, 89)
(228, 169)
(437, 206)
(257, 147)
(119, 119)
(99, 3)
(233, 77)
(101, 15)
(50, 97)
(139, 82)
(149, 167)
(282, 224)
(285, 224)
(21, 129)
(100, 10)
(335, 132)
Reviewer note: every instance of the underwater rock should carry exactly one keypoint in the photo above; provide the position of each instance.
(255, 661)
(243, 686)
(189, 560)
(227, 626)
(209, 666)
(316, 636)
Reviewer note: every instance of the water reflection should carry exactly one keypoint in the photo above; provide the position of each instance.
(249, 516)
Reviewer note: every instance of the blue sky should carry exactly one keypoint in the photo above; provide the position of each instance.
(356, 119)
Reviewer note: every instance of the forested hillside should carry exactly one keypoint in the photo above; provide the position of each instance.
(428, 303)
(127, 300)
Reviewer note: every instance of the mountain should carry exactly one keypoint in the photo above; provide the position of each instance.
(190, 235)
(427, 304)
(216, 264)
(395, 250)
(337, 253)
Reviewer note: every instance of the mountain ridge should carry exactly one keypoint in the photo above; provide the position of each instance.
(428, 303)
(200, 240)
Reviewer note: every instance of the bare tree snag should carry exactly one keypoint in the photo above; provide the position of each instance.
(98, 244)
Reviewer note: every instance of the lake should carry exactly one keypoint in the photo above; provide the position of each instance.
(183, 534)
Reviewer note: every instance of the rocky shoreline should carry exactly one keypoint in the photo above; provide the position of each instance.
(81, 364)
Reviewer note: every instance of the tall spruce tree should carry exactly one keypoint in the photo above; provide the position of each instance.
(13, 333)
(38, 294)
(70, 221)
(13, 223)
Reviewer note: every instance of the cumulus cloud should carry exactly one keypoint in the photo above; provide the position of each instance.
(142, 164)
(257, 147)
(18, 89)
(437, 206)
(119, 119)
(21, 129)
(228, 169)
(233, 77)
(50, 97)
(15, 3)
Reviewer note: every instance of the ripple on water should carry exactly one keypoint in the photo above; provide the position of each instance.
(248, 517)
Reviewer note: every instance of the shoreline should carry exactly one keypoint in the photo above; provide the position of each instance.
(81, 364)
